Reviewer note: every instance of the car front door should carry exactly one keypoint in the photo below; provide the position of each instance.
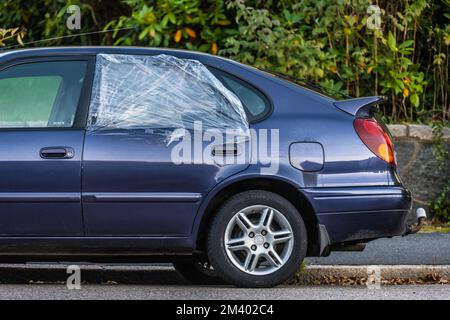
(43, 105)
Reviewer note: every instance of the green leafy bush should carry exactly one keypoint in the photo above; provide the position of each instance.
(12, 33)
(325, 41)
(439, 150)
(194, 24)
(440, 208)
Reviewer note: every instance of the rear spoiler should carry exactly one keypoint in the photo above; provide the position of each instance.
(365, 106)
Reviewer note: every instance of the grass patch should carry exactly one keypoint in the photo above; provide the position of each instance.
(431, 228)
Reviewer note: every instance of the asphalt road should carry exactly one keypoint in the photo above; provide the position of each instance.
(416, 249)
(419, 292)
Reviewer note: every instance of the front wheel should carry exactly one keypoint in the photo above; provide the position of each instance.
(257, 239)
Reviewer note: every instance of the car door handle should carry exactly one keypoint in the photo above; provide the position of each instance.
(57, 153)
(227, 150)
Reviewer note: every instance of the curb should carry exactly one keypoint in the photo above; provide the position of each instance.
(389, 274)
(166, 275)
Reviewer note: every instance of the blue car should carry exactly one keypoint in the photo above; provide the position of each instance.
(125, 154)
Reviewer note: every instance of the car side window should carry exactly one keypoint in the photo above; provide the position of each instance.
(159, 92)
(255, 103)
(41, 94)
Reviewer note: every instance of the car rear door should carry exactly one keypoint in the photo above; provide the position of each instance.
(132, 185)
(43, 106)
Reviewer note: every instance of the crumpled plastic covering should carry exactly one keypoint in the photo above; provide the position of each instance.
(162, 91)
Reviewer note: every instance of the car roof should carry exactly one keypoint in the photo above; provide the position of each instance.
(205, 58)
(94, 50)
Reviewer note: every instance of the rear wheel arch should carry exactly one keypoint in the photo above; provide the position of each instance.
(280, 187)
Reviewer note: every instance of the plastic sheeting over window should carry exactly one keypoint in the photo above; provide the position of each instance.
(142, 92)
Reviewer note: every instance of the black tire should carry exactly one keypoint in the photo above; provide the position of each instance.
(216, 249)
(198, 273)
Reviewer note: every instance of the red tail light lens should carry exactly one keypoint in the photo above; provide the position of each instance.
(375, 138)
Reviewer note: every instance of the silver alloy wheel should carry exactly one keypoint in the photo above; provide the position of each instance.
(258, 240)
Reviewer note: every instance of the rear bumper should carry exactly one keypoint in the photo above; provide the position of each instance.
(360, 214)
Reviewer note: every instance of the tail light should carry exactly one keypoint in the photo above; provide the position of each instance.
(375, 138)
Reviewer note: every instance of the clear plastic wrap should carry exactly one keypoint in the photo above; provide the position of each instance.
(162, 92)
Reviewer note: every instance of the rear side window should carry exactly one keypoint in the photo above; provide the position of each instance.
(161, 92)
(41, 94)
(255, 103)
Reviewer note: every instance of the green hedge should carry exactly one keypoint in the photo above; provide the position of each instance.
(326, 41)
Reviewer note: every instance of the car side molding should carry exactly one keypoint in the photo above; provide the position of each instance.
(141, 197)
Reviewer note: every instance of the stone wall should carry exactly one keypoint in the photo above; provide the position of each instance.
(417, 166)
